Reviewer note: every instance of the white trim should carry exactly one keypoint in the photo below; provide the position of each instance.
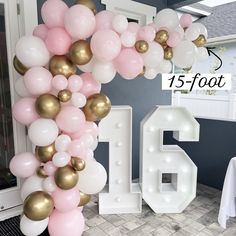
(12, 212)
(222, 39)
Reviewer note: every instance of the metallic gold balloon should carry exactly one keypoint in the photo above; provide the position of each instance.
(78, 163)
(161, 36)
(80, 52)
(45, 154)
(47, 106)
(66, 177)
(141, 46)
(38, 206)
(168, 53)
(97, 107)
(200, 41)
(84, 199)
(88, 3)
(143, 71)
(41, 172)
(61, 65)
(64, 95)
(19, 67)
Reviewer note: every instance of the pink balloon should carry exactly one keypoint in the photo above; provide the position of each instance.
(70, 119)
(174, 39)
(58, 41)
(88, 154)
(75, 83)
(69, 223)
(105, 45)
(185, 20)
(104, 20)
(129, 63)
(38, 80)
(153, 25)
(133, 27)
(90, 85)
(49, 168)
(80, 22)
(41, 31)
(53, 13)
(66, 200)
(76, 148)
(59, 82)
(147, 33)
(24, 111)
(24, 165)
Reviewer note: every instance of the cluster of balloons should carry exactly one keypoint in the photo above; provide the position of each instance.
(60, 108)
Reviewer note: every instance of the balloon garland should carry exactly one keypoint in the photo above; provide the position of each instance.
(60, 108)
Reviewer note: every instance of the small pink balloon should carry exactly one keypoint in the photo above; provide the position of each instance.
(90, 85)
(24, 165)
(185, 20)
(69, 223)
(129, 63)
(59, 82)
(38, 80)
(70, 119)
(75, 83)
(24, 111)
(105, 45)
(53, 13)
(133, 27)
(58, 41)
(76, 148)
(174, 39)
(49, 168)
(104, 20)
(41, 31)
(147, 33)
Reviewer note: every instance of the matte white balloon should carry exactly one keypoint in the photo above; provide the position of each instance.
(49, 184)
(192, 32)
(61, 159)
(128, 39)
(202, 29)
(20, 88)
(95, 144)
(87, 140)
(202, 54)
(87, 67)
(120, 23)
(180, 30)
(78, 100)
(150, 73)
(62, 142)
(165, 66)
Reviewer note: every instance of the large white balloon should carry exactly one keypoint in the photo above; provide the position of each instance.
(202, 54)
(128, 39)
(87, 67)
(43, 132)
(165, 66)
(87, 140)
(93, 178)
(120, 23)
(192, 32)
(150, 73)
(20, 88)
(32, 51)
(202, 29)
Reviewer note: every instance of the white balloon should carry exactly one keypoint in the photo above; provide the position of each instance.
(165, 66)
(128, 39)
(87, 67)
(32, 51)
(202, 29)
(192, 32)
(180, 30)
(78, 100)
(95, 144)
(62, 142)
(167, 18)
(49, 184)
(33, 228)
(61, 159)
(120, 23)
(20, 88)
(154, 55)
(150, 73)
(87, 140)
(43, 132)
(202, 54)
(93, 178)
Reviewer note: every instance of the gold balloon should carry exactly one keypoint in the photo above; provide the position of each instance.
(97, 107)
(19, 67)
(200, 41)
(141, 46)
(41, 172)
(88, 3)
(161, 36)
(47, 106)
(78, 163)
(45, 154)
(80, 52)
(84, 199)
(64, 95)
(168, 53)
(61, 65)
(143, 71)
(66, 177)
(38, 206)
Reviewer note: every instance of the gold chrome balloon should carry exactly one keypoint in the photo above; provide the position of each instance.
(84, 199)
(88, 3)
(19, 67)
(78, 163)
(161, 36)
(66, 177)
(61, 65)
(64, 95)
(41, 172)
(141, 46)
(80, 52)
(45, 154)
(47, 106)
(97, 107)
(38, 206)
(200, 41)
(143, 71)
(168, 53)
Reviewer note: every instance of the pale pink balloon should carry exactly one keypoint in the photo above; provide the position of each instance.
(104, 20)
(133, 27)
(105, 45)
(24, 165)
(75, 83)
(80, 22)
(88, 154)
(147, 33)
(24, 111)
(58, 41)
(49, 168)
(76, 148)
(174, 39)
(129, 64)
(90, 85)
(153, 25)
(59, 82)
(38, 80)
(70, 119)
(41, 31)
(185, 20)
(53, 13)
(69, 223)
(66, 200)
